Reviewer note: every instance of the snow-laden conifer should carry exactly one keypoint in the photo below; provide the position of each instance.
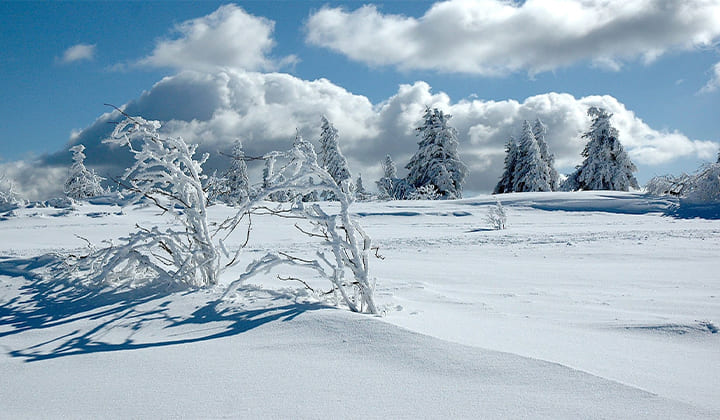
(437, 161)
(531, 170)
(540, 131)
(237, 183)
(361, 193)
(507, 180)
(82, 182)
(330, 157)
(606, 165)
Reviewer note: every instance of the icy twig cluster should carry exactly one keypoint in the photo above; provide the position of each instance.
(497, 217)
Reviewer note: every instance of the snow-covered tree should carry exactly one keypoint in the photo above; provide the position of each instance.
(437, 161)
(507, 180)
(385, 184)
(9, 197)
(361, 193)
(606, 165)
(82, 182)
(237, 183)
(540, 131)
(531, 170)
(330, 157)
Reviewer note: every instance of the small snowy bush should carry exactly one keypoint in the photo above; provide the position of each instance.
(702, 186)
(497, 217)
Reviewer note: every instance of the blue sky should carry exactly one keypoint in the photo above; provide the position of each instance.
(667, 100)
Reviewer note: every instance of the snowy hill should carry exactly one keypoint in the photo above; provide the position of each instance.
(590, 305)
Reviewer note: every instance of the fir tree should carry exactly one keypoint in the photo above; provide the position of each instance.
(507, 180)
(437, 161)
(606, 165)
(531, 170)
(360, 193)
(82, 182)
(539, 131)
(331, 159)
(237, 183)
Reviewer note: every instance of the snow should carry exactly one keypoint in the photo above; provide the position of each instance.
(589, 305)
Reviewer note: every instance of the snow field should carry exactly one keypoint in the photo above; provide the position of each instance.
(590, 305)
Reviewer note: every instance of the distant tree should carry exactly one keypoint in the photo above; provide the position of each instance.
(82, 182)
(540, 131)
(331, 159)
(9, 197)
(507, 180)
(385, 184)
(531, 170)
(237, 183)
(606, 165)
(360, 191)
(437, 161)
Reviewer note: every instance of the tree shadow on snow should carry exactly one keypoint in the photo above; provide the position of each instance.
(84, 320)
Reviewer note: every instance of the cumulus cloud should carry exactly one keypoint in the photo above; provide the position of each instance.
(265, 109)
(78, 52)
(226, 38)
(493, 37)
(714, 83)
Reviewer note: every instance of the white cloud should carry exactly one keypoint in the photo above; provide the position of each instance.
(227, 38)
(265, 109)
(493, 37)
(78, 52)
(714, 83)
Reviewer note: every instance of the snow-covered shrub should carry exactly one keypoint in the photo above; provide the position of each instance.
(344, 260)
(497, 217)
(82, 183)
(606, 165)
(704, 185)
(166, 174)
(426, 192)
(667, 185)
(437, 161)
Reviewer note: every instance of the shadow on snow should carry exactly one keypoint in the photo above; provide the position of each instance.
(48, 302)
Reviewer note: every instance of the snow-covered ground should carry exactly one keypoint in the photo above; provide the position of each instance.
(590, 305)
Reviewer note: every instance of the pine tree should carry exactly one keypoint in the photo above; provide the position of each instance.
(237, 183)
(82, 182)
(606, 165)
(437, 161)
(507, 180)
(539, 131)
(331, 159)
(360, 192)
(531, 171)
